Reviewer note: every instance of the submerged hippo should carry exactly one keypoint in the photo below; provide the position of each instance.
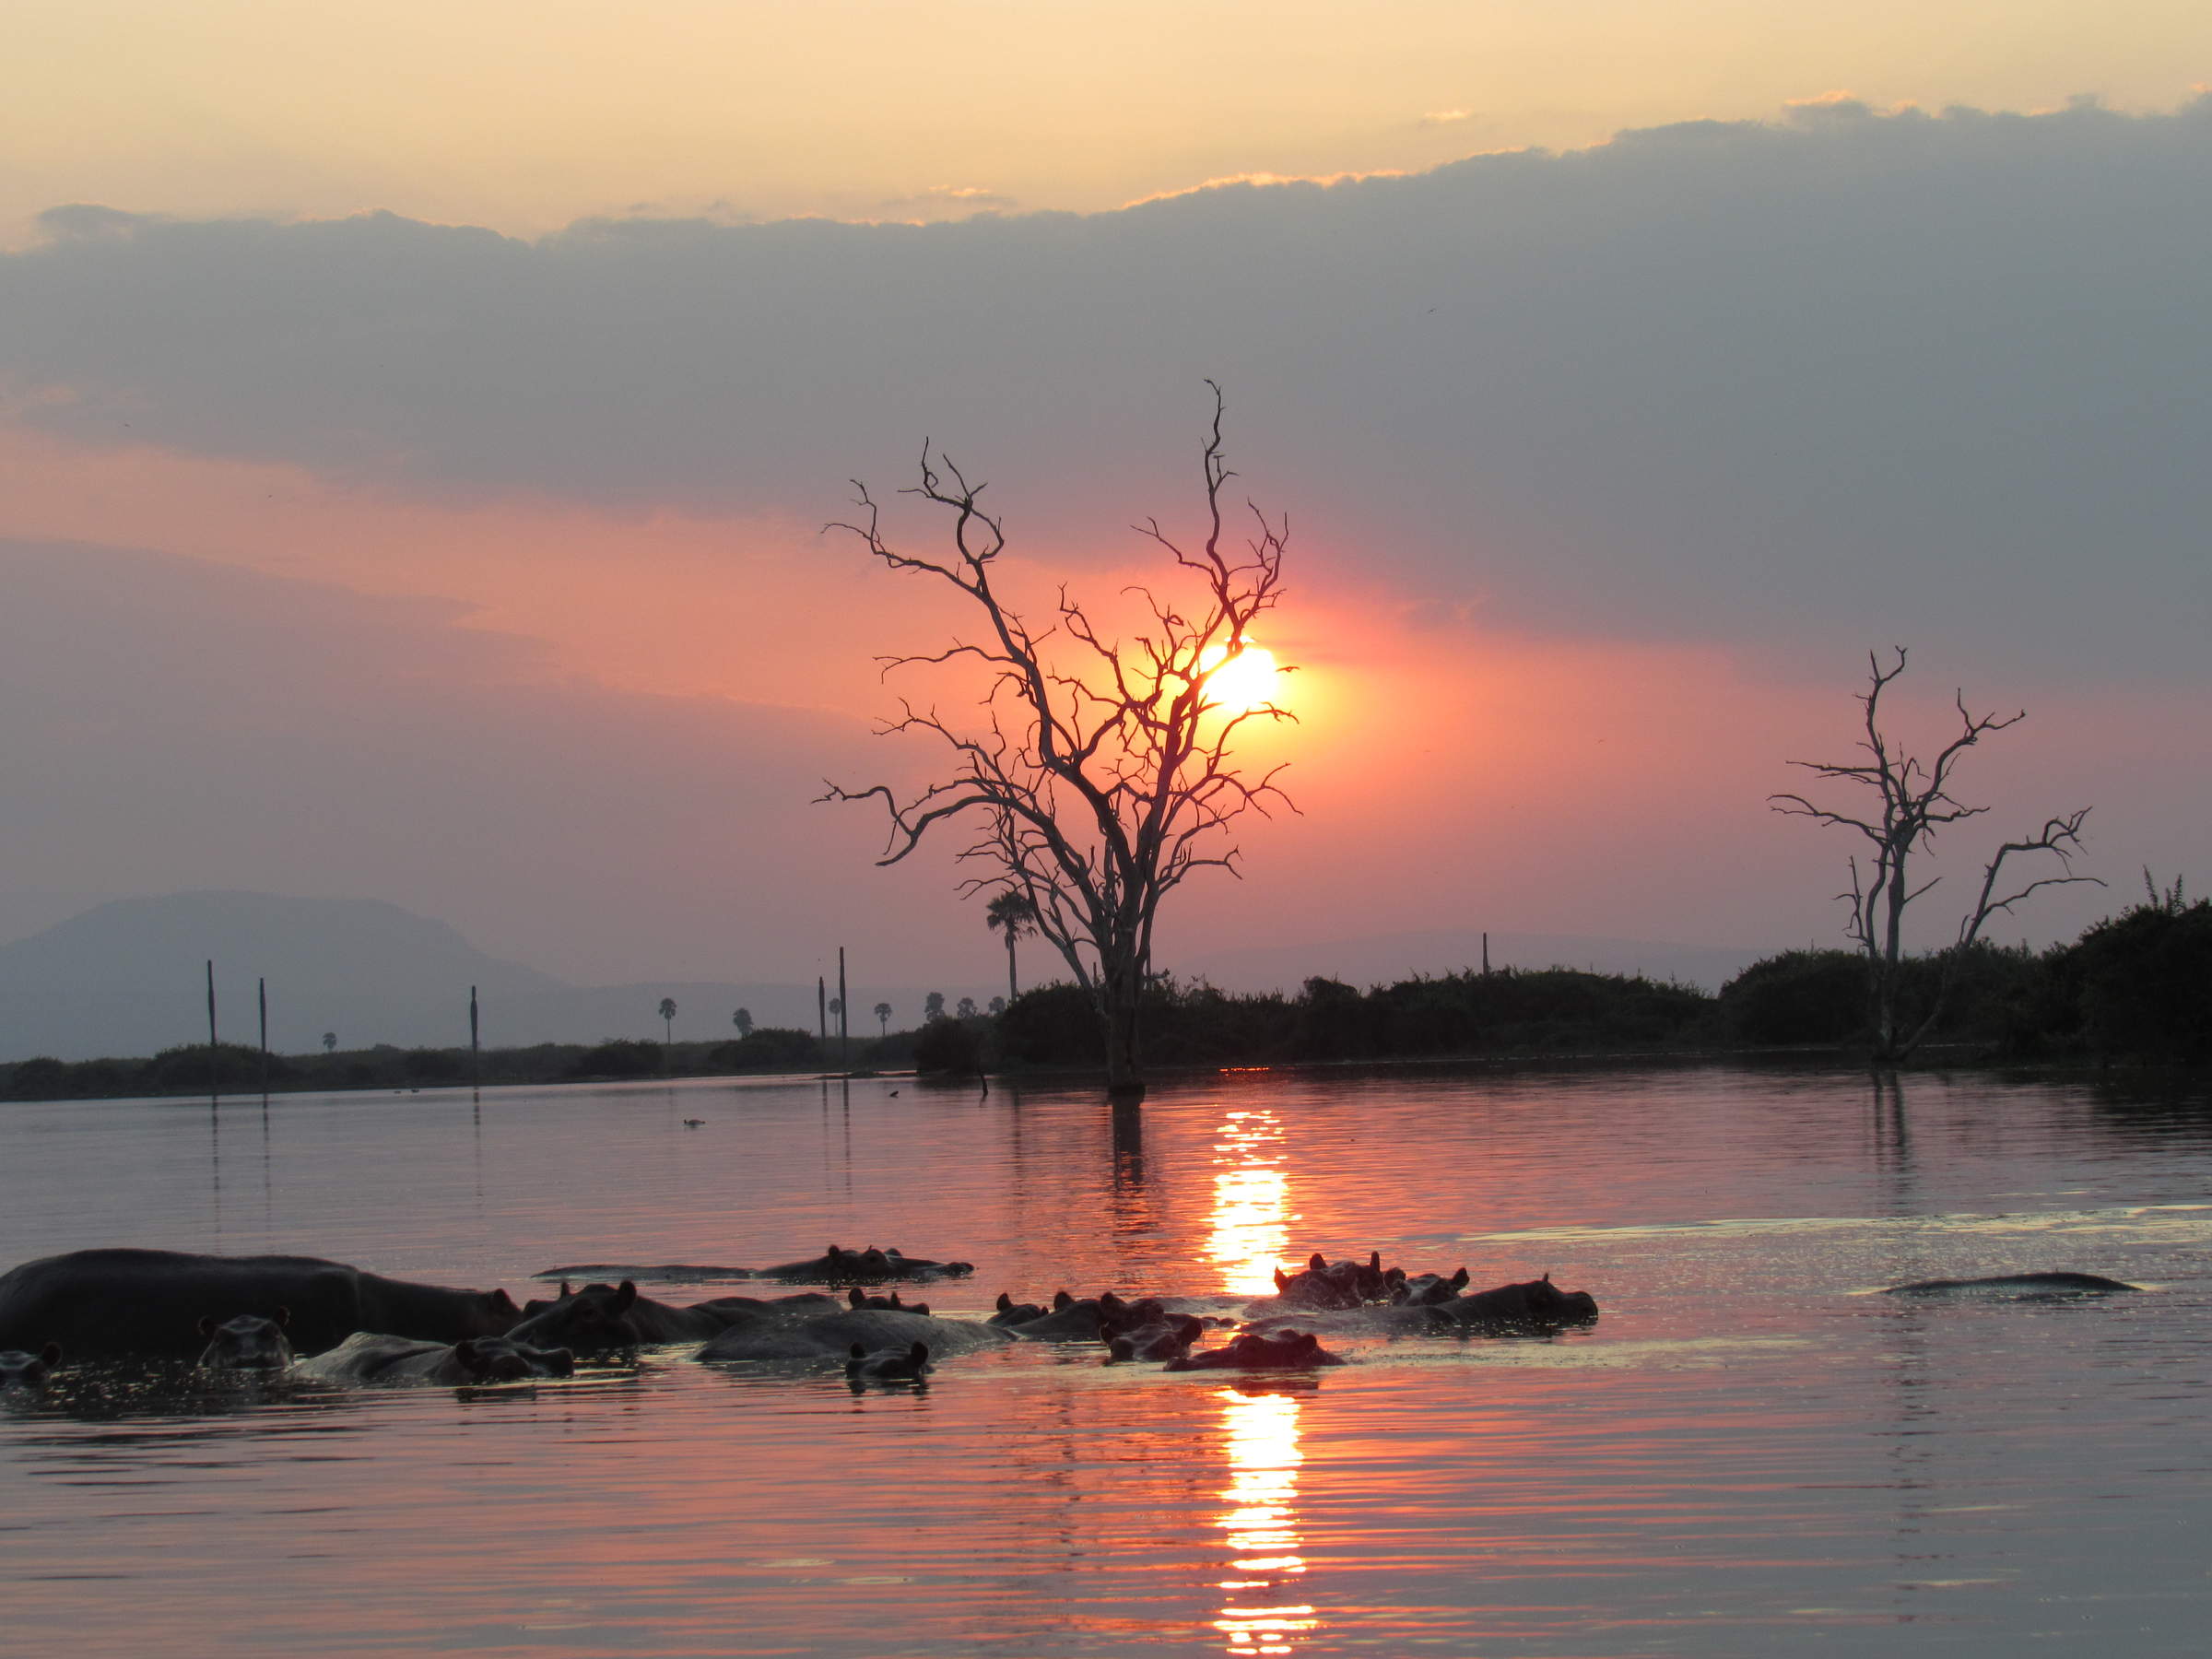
(108, 1303)
(1087, 1319)
(600, 1318)
(1168, 1337)
(909, 1364)
(1345, 1284)
(2017, 1285)
(1285, 1350)
(1427, 1289)
(1011, 1312)
(247, 1343)
(370, 1357)
(870, 1266)
(857, 1297)
(19, 1369)
(831, 1336)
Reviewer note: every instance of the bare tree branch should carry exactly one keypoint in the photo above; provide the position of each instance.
(1103, 776)
(1915, 801)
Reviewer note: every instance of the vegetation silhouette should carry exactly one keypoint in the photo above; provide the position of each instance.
(1097, 776)
(1913, 801)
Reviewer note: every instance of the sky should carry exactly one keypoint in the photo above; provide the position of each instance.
(415, 437)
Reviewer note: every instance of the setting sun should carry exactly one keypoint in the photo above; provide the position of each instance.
(1243, 682)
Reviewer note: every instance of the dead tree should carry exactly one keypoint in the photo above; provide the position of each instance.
(1915, 801)
(1096, 775)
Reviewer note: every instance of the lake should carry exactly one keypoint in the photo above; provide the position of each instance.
(1745, 1453)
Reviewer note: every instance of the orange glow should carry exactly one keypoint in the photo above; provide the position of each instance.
(1246, 681)
(1252, 1202)
(1260, 1522)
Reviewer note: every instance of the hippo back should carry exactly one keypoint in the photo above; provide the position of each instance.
(831, 1336)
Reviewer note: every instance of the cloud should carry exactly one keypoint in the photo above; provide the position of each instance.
(965, 199)
(1846, 377)
(1446, 117)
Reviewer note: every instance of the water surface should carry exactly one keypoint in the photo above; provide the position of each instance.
(1748, 1452)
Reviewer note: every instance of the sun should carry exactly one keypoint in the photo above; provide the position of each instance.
(1239, 683)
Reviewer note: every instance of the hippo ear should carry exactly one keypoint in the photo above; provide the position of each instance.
(1317, 1261)
(1280, 1282)
(1005, 1302)
(567, 1290)
(1547, 1279)
(50, 1354)
(1188, 1328)
(1061, 1300)
(859, 1352)
(1459, 1279)
(503, 1303)
(207, 1324)
(1374, 1261)
(282, 1317)
(1111, 1304)
(625, 1294)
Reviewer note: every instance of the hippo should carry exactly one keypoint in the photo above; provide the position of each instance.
(1011, 1312)
(1427, 1290)
(115, 1303)
(373, 1357)
(831, 1336)
(1085, 1319)
(600, 1318)
(870, 1266)
(19, 1369)
(1285, 1350)
(909, 1364)
(1345, 1284)
(247, 1343)
(1168, 1337)
(1537, 1304)
(857, 1297)
(2021, 1285)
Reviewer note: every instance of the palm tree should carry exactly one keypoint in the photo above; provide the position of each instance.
(1015, 911)
(668, 1017)
(743, 1020)
(882, 1019)
(330, 1043)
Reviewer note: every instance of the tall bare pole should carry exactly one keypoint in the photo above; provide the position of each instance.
(844, 1017)
(213, 1089)
(262, 994)
(821, 1005)
(475, 1050)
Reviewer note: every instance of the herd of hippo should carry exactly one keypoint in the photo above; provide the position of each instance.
(260, 1314)
(327, 1321)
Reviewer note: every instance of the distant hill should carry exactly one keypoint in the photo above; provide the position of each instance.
(1384, 959)
(128, 978)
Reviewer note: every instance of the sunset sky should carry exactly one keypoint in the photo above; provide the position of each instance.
(416, 425)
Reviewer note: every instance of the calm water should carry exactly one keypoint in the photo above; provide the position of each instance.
(1744, 1454)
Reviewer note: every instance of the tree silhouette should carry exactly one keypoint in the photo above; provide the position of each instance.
(1916, 802)
(998, 1006)
(882, 1019)
(966, 1008)
(1012, 911)
(933, 1006)
(743, 1020)
(668, 1017)
(330, 1043)
(1097, 778)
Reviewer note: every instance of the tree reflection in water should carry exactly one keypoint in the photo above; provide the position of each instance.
(1260, 1434)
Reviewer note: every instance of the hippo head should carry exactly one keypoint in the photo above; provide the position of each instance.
(19, 1369)
(591, 1320)
(1549, 1301)
(497, 1359)
(247, 1343)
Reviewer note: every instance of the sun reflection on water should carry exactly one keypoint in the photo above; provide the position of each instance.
(1252, 1202)
(1260, 1525)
